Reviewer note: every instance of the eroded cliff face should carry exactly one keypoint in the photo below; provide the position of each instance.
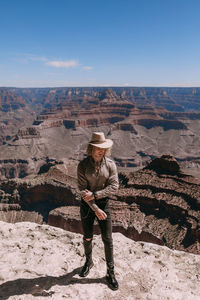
(9, 101)
(31, 199)
(13, 213)
(14, 114)
(13, 168)
(20, 168)
(158, 204)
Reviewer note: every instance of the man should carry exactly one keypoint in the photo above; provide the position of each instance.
(97, 181)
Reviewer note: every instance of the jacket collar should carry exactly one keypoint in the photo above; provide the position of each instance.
(103, 161)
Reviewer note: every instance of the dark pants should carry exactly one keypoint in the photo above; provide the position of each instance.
(87, 218)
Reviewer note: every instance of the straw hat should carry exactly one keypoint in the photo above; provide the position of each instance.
(99, 140)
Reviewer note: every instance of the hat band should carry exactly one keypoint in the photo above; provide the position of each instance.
(96, 142)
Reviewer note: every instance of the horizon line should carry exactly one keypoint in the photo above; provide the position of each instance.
(101, 86)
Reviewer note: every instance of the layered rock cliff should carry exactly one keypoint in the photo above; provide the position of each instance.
(158, 204)
(57, 123)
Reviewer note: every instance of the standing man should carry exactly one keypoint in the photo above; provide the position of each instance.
(97, 181)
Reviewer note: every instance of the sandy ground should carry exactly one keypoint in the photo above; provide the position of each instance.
(43, 262)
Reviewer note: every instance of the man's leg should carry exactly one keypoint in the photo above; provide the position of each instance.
(106, 233)
(87, 244)
(87, 219)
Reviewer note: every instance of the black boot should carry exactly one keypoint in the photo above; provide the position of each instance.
(89, 263)
(86, 268)
(111, 280)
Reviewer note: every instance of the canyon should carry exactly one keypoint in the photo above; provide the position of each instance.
(44, 134)
(56, 123)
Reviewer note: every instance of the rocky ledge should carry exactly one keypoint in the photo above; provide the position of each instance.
(43, 262)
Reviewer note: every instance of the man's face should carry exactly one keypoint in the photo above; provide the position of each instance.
(98, 153)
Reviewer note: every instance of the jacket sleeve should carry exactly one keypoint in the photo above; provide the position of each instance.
(82, 181)
(112, 184)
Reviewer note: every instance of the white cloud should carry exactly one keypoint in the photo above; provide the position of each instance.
(63, 64)
(72, 63)
(87, 68)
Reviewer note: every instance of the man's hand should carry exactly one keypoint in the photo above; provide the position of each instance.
(87, 195)
(89, 198)
(101, 215)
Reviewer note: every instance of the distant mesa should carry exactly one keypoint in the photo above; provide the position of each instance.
(166, 164)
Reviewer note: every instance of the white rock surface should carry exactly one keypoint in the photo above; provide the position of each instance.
(42, 262)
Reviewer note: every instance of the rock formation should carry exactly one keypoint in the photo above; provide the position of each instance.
(9, 101)
(165, 164)
(37, 195)
(158, 204)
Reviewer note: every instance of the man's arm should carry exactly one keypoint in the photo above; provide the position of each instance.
(82, 181)
(87, 196)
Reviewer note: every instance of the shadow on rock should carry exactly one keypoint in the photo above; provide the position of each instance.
(40, 286)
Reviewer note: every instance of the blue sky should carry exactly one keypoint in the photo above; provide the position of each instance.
(51, 43)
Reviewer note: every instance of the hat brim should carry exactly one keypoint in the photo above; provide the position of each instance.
(104, 145)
